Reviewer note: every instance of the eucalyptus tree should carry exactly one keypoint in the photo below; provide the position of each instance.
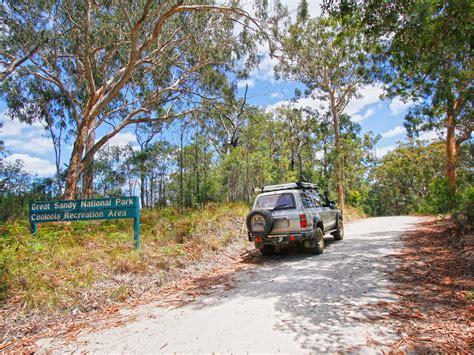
(331, 62)
(116, 63)
(402, 182)
(144, 134)
(107, 173)
(299, 125)
(225, 119)
(425, 56)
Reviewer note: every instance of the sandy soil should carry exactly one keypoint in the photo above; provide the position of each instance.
(293, 303)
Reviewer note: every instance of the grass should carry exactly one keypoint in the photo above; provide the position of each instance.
(353, 213)
(67, 264)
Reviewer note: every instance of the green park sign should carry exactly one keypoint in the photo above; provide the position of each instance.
(87, 209)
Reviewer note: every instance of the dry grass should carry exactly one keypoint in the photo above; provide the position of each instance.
(353, 213)
(82, 266)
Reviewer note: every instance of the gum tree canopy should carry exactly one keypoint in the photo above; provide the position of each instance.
(330, 61)
(424, 54)
(111, 64)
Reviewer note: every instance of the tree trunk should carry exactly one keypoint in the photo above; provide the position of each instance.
(292, 160)
(58, 179)
(151, 199)
(57, 154)
(326, 173)
(181, 192)
(75, 166)
(88, 171)
(300, 167)
(142, 188)
(196, 157)
(338, 166)
(300, 160)
(205, 173)
(451, 152)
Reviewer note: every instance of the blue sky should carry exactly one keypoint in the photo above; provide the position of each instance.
(32, 145)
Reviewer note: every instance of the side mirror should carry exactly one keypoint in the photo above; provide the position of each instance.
(332, 204)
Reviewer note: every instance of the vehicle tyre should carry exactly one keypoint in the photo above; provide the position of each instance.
(268, 250)
(339, 234)
(259, 222)
(317, 242)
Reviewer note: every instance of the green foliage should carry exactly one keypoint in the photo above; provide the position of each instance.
(411, 179)
(354, 198)
(121, 64)
(67, 260)
(424, 55)
(466, 205)
(439, 198)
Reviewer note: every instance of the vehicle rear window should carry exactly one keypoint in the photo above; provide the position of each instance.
(279, 201)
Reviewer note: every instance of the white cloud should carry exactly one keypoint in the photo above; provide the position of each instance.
(360, 118)
(123, 138)
(40, 167)
(396, 131)
(39, 145)
(25, 138)
(369, 94)
(276, 94)
(265, 69)
(14, 128)
(10, 128)
(397, 106)
(380, 152)
(314, 104)
(433, 135)
(243, 83)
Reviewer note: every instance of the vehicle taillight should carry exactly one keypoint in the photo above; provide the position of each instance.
(303, 222)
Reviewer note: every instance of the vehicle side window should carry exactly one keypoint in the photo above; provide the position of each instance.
(322, 199)
(316, 199)
(307, 201)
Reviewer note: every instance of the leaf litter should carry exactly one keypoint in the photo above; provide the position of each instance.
(434, 284)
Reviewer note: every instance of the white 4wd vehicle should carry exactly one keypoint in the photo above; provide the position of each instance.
(293, 213)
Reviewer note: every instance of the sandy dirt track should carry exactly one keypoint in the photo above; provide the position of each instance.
(292, 303)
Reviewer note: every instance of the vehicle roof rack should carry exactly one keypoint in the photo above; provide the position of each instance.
(290, 186)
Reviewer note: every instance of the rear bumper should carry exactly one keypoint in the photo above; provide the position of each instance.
(279, 239)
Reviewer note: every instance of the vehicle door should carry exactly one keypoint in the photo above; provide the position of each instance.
(309, 206)
(322, 211)
(329, 213)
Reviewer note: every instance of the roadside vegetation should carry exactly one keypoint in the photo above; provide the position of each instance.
(171, 79)
(84, 265)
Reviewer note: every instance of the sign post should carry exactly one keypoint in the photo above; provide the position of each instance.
(87, 209)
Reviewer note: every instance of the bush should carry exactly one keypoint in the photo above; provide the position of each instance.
(439, 199)
(354, 198)
(466, 206)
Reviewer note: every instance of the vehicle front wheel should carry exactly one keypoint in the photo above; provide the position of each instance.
(317, 242)
(339, 234)
(268, 250)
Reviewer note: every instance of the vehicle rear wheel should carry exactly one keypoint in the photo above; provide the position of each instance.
(339, 234)
(259, 222)
(317, 242)
(268, 250)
